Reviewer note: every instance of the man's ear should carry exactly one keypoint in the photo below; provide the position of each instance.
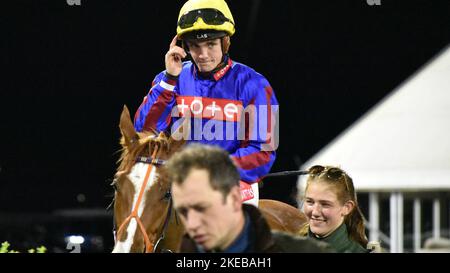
(126, 127)
(235, 198)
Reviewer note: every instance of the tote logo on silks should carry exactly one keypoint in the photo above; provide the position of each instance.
(213, 119)
(209, 108)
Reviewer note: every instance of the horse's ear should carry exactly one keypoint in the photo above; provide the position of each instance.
(126, 126)
(180, 135)
(175, 144)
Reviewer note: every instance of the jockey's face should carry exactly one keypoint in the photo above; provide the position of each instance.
(207, 55)
(322, 208)
(211, 220)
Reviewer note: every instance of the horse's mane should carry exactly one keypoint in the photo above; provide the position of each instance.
(130, 150)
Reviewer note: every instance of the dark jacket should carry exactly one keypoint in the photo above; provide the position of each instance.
(266, 241)
(340, 241)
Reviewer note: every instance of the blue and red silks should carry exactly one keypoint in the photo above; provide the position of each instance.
(235, 109)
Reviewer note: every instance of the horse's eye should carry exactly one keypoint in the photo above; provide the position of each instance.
(167, 195)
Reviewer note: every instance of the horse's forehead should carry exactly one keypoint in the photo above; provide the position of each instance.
(152, 137)
(139, 172)
(155, 139)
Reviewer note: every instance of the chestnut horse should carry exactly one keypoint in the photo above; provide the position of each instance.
(143, 211)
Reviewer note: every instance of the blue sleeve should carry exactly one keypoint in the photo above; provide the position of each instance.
(155, 110)
(257, 152)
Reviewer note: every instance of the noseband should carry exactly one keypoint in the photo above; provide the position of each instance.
(153, 161)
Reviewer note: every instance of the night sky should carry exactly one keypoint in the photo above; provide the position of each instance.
(68, 71)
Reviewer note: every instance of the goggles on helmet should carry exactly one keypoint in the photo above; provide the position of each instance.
(209, 16)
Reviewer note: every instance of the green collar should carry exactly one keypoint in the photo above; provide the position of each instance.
(340, 241)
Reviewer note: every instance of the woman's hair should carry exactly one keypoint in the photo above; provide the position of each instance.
(342, 183)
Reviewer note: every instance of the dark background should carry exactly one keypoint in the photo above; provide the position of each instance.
(68, 71)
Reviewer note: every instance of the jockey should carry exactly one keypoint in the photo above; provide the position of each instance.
(224, 102)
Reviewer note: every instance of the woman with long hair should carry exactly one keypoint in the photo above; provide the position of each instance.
(332, 210)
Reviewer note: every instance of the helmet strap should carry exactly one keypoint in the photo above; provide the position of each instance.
(185, 46)
(186, 49)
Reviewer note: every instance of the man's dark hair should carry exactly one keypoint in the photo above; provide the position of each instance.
(223, 174)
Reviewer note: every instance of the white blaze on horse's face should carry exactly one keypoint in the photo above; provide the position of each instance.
(136, 176)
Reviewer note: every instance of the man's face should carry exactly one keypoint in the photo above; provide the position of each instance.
(206, 54)
(211, 219)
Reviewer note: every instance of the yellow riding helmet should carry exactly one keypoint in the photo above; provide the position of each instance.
(191, 18)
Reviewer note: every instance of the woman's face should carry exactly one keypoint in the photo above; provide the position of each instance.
(322, 208)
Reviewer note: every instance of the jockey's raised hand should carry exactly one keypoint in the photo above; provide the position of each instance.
(174, 58)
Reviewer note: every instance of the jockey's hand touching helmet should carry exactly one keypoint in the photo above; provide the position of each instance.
(173, 58)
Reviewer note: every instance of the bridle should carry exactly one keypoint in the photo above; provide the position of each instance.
(152, 161)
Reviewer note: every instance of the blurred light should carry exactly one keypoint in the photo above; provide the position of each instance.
(81, 198)
(77, 240)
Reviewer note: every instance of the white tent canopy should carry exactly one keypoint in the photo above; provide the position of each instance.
(403, 143)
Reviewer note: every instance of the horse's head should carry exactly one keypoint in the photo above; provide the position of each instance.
(142, 205)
